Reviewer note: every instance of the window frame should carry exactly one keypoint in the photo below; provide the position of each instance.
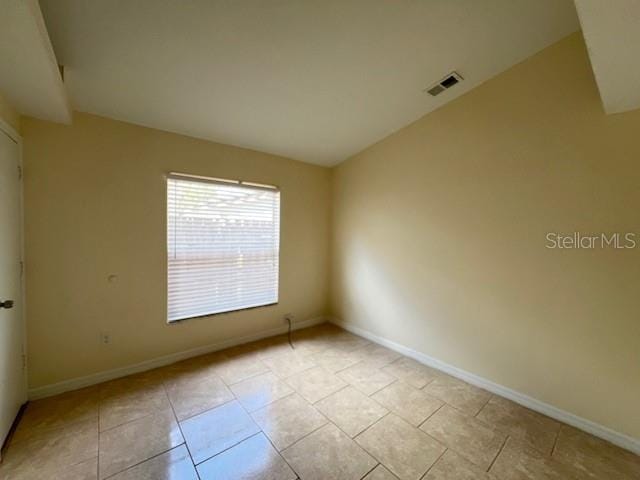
(220, 181)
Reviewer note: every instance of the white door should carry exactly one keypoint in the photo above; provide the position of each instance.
(12, 372)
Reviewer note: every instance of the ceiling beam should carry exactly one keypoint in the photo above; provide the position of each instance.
(612, 33)
(30, 78)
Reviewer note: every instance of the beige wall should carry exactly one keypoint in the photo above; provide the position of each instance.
(9, 114)
(95, 206)
(439, 238)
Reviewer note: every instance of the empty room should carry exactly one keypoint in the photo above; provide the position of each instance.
(319, 240)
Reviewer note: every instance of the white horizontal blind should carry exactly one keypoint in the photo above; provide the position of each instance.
(223, 246)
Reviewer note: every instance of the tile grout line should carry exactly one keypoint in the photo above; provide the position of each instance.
(270, 403)
(228, 385)
(491, 395)
(303, 437)
(227, 448)
(446, 449)
(327, 396)
(498, 454)
(127, 422)
(199, 413)
(280, 454)
(555, 442)
(432, 414)
(264, 434)
(143, 461)
(234, 399)
(312, 405)
(371, 426)
(380, 389)
(184, 442)
(186, 445)
(427, 384)
(353, 439)
(306, 435)
(437, 441)
(374, 467)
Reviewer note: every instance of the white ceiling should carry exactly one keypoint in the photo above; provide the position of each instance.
(312, 80)
(29, 75)
(612, 34)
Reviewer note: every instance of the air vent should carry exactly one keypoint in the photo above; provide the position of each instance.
(447, 82)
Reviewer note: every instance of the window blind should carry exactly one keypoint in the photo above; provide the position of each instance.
(223, 240)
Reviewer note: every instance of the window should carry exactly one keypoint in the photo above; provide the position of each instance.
(223, 240)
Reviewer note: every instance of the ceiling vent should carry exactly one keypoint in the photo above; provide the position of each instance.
(447, 82)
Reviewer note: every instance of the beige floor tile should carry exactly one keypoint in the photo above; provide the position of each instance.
(595, 458)
(200, 365)
(378, 356)
(213, 431)
(309, 343)
(253, 459)
(244, 349)
(240, 368)
(274, 346)
(462, 395)
(194, 393)
(139, 383)
(315, 384)
(327, 454)
(49, 452)
(412, 404)
(350, 344)
(465, 435)
(452, 466)
(118, 409)
(130, 424)
(341, 335)
(380, 473)
(172, 465)
(334, 360)
(288, 363)
(366, 378)
(87, 470)
(403, 449)
(411, 372)
(351, 410)
(288, 420)
(256, 392)
(136, 441)
(537, 430)
(57, 411)
(517, 461)
(308, 347)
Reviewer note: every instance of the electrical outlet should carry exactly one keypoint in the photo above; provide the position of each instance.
(105, 338)
(288, 317)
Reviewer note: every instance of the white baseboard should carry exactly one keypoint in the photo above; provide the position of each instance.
(95, 378)
(619, 439)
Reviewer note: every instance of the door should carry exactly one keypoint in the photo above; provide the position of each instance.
(12, 373)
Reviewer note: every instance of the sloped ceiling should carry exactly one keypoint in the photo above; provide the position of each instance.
(317, 81)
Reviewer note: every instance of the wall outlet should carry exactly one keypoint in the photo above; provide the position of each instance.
(288, 317)
(105, 338)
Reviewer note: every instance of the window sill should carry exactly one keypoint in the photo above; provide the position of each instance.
(224, 312)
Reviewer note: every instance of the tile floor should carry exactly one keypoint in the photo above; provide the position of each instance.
(336, 407)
